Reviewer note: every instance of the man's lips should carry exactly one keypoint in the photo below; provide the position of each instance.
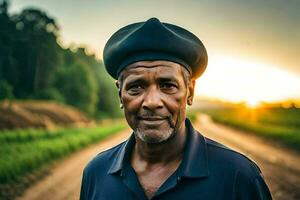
(152, 118)
(152, 121)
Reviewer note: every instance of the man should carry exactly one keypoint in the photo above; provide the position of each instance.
(156, 65)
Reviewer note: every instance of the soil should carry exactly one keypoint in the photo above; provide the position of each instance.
(280, 166)
(63, 181)
(39, 114)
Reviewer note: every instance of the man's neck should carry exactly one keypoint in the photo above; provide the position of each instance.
(162, 153)
(157, 160)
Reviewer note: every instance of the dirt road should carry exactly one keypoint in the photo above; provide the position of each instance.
(63, 181)
(280, 167)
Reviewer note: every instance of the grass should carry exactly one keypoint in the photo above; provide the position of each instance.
(192, 116)
(25, 151)
(279, 124)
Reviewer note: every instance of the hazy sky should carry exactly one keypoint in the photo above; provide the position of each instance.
(254, 42)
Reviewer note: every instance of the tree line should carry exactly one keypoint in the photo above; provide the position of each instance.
(34, 66)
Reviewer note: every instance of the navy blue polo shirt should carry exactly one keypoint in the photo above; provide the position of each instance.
(208, 171)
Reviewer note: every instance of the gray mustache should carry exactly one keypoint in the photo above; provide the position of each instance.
(155, 116)
(152, 116)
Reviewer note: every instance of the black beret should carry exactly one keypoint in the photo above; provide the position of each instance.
(153, 40)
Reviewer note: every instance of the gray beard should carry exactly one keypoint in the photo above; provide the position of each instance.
(162, 138)
(154, 140)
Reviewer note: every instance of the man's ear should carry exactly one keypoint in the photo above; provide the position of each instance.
(119, 89)
(191, 89)
(117, 84)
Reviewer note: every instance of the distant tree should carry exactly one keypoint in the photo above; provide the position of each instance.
(4, 6)
(50, 94)
(78, 86)
(34, 65)
(36, 49)
(8, 64)
(108, 102)
(5, 90)
(107, 93)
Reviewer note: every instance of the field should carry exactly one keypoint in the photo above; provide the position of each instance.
(24, 114)
(278, 124)
(25, 151)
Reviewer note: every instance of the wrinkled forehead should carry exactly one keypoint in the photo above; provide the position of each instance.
(158, 68)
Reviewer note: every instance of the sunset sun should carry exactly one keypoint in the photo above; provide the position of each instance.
(241, 80)
(253, 103)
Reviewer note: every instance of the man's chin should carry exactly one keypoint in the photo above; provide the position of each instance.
(153, 136)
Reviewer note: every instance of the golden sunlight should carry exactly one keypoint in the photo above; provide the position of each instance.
(237, 80)
(253, 103)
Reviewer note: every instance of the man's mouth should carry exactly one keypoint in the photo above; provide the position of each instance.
(152, 120)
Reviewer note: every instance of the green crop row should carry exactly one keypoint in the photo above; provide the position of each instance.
(24, 151)
(282, 125)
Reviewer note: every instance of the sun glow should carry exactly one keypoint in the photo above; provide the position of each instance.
(237, 80)
(253, 103)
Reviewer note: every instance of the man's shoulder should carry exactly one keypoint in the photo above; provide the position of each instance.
(229, 159)
(103, 160)
(239, 169)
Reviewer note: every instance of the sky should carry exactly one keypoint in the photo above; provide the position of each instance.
(253, 46)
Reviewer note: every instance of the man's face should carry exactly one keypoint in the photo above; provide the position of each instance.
(154, 97)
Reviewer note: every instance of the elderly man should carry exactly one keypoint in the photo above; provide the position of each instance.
(156, 65)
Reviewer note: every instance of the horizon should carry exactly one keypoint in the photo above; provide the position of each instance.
(252, 46)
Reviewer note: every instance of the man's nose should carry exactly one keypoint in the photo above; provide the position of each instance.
(152, 99)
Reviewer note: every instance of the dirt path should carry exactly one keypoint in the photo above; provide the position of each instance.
(280, 167)
(63, 181)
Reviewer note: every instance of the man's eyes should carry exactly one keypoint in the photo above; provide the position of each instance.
(162, 85)
(168, 86)
(135, 88)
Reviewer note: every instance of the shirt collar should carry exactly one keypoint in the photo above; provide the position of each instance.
(195, 159)
(123, 156)
(194, 162)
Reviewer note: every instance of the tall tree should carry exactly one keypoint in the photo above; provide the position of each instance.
(4, 6)
(78, 86)
(33, 65)
(107, 93)
(8, 67)
(37, 50)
